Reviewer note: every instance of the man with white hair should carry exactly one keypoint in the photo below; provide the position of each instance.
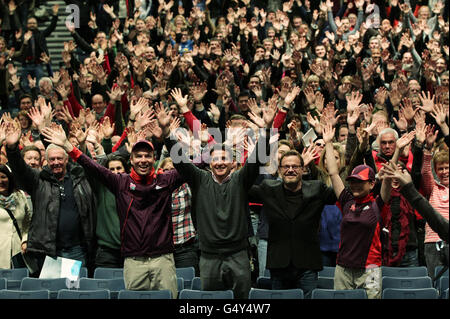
(63, 204)
(387, 142)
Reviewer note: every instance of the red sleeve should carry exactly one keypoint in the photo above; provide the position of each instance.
(75, 153)
(190, 121)
(69, 107)
(279, 119)
(122, 138)
(76, 106)
(110, 112)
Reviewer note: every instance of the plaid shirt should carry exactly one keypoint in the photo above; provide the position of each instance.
(183, 228)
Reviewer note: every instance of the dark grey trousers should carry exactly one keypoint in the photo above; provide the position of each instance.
(219, 272)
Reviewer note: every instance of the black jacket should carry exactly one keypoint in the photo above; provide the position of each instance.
(43, 188)
(294, 240)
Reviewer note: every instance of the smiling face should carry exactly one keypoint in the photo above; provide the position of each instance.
(290, 171)
(142, 160)
(33, 159)
(221, 164)
(442, 170)
(360, 189)
(4, 184)
(57, 162)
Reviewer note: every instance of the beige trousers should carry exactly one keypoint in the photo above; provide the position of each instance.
(367, 279)
(147, 273)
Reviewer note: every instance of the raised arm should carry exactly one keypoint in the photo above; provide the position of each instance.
(332, 167)
(104, 175)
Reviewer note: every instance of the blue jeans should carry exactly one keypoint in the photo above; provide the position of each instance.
(262, 256)
(35, 70)
(75, 252)
(410, 259)
(291, 278)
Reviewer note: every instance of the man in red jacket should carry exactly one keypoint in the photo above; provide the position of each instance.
(143, 200)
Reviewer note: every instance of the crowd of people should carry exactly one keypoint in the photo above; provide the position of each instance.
(230, 136)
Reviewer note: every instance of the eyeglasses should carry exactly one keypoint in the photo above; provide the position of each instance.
(319, 144)
(288, 167)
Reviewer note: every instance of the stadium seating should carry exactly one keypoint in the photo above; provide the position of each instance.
(404, 271)
(108, 273)
(327, 271)
(14, 277)
(53, 285)
(264, 283)
(325, 282)
(442, 284)
(196, 284)
(187, 273)
(406, 282)
(256, 293)
(19, 294)
(113, 285)
(200, 294)
(422, 293)
(338, 294)
(3, 283)
(180, 283)
(148, 294)
(83, 294)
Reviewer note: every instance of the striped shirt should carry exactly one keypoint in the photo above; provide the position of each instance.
(437, 195)
(183, 228)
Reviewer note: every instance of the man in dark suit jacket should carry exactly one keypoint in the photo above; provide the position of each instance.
(293, 208)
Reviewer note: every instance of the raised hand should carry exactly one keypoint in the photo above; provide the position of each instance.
(353, 100)
(179, 98)
(328, 133)
(427, 101)
(162, 116)
(58, 137)
(310, 154)
(107, 128)
(403, 141)
(137, 106)
(290, 97)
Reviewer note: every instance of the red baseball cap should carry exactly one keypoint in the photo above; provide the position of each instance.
(142, 143)
(363, 173)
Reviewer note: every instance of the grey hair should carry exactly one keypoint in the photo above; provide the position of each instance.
(388, 130)
(45, 79)
(53, 147)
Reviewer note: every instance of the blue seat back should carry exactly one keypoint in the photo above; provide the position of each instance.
(83, 272)
(116, 284)
(338, 294)
(264, 283)
(3, 283)
(256, 293)
(187, 273)
(406, 282)
(325, 282)
(180, 283)
(423, 293)
(404, 271)
(20, 294)
(149, 294)
(196, 283)
(327, 271)
(14, 274)
(53, 285)
(108, 273)
(83, 294)
(201, 294)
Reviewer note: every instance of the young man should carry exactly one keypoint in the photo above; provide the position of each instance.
(143, 201)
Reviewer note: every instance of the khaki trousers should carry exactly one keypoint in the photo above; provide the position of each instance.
(151, 273)
(367, 279)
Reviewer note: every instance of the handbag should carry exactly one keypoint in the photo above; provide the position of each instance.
(20, 260)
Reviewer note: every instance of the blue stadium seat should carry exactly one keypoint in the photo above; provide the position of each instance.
(327, 271)
(256, 293)
(445, 294)
(187, 273)
(108, 273)
(19, 294)
(14, 277)
(3, 283)
(196, 284)
(83, 294)
(338, 294)
(53, 285)
(423, 293)
(442, 284)
(266, 273)
(180, 283)
(404, 271)
(148, 294)
(325, 282)
(201, 294)
(264, 283)
(83, 272)
(406, 282)
(113, 285)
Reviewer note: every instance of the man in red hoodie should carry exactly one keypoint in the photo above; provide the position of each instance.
(143, 200)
